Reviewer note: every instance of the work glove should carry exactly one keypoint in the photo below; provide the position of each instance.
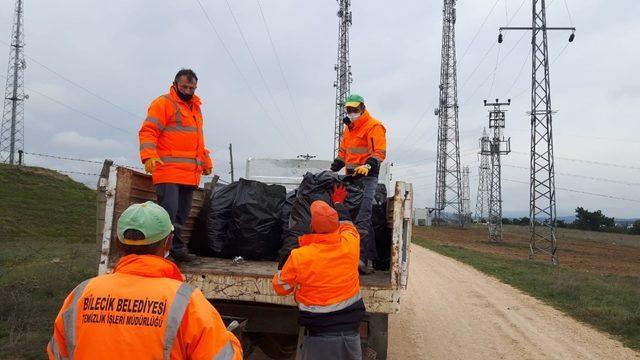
(337, 165)
(151, 163)
(208, 171)
(339, 194)
(362, 170)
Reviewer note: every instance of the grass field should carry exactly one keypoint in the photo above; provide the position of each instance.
(597, 282)
(47, 235)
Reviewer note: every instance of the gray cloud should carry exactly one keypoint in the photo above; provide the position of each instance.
(127, 52)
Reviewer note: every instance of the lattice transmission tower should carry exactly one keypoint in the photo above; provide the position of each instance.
(343, 70)
(542, 189)
(466, 195)
(498, 146)
(12, 127)
(484, 178)
(448, 180)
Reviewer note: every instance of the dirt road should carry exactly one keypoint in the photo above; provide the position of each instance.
(452, 311)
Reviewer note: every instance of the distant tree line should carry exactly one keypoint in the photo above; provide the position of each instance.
(586, 220)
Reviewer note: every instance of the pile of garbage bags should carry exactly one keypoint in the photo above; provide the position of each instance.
(263, 222)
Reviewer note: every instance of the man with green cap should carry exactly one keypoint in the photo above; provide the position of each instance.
(363, 148)
(143, 310)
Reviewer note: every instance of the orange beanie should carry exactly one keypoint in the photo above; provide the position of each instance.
(324, 218)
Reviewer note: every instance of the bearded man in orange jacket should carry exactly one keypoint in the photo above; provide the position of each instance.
(173, 151)
(323, 275)
(143, 310)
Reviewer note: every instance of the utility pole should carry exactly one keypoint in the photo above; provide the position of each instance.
(448, 182)
(466, 195)
(343, 70)
(542, 188)
(484, 176)
(498, 146)
(12, 127)
(231, 160)
(306, 157)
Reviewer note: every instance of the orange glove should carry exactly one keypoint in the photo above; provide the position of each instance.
(208, 171)
(362, 170)
(151, 163)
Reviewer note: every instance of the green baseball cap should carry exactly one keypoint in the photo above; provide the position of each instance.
(354, 100)
(149, 218)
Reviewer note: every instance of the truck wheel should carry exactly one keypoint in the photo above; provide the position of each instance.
(278, 346)
(375, 345)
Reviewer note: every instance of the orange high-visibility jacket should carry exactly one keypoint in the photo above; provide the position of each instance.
(172, 132)
(142, 310)
(365, 139)
(323, 272)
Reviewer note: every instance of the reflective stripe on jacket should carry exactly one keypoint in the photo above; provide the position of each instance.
(365, 139)
(141, 311)
(172, 132)
(323, 272)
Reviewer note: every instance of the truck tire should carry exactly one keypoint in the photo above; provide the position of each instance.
(375, 346)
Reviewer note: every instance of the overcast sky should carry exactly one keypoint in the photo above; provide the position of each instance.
(127, 52)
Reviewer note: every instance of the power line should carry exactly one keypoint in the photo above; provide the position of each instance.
(492, 73)
(582, 176)
(284, 78)
(591, 162)
(85, 89)
(255, 62)
(478, 31)
(244, 78)
(582, 192)
(77, 111)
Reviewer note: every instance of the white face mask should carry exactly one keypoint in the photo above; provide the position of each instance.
(353, 116)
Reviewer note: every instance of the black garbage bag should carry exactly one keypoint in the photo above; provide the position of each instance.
(199, 243)
(317, 187)
(381, 229)
(285, 215)
(255, 231)
(219, 219)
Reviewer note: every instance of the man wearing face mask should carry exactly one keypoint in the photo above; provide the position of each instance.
(363, 148)
(172, 150)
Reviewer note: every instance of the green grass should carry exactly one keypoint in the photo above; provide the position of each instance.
(609, 303)
(47, 236)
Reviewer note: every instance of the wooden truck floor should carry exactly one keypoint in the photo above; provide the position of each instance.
(264, 269)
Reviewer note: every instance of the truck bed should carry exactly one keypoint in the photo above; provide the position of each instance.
(250, 281)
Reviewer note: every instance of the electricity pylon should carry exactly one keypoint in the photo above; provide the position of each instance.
(498, 146)
(484, 175)
(542, 188)
(343, 70)
(466, 195)
(448, 180)
(12, 127)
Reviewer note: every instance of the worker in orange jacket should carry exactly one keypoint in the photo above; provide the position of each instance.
(143, 310)
(323, 275)
(363, 148)
(173, 151)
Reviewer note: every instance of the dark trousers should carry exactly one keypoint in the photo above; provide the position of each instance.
(176, 199)
(363, 220)
(334, 346)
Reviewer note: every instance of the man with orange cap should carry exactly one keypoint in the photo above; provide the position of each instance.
(143, 310)
(172, 150)
(323, 275)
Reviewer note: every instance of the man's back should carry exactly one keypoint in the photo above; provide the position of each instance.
(329, 266)
(141, 311)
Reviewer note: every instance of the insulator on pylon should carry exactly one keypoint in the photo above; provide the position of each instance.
(500, 38)
(572, 36)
